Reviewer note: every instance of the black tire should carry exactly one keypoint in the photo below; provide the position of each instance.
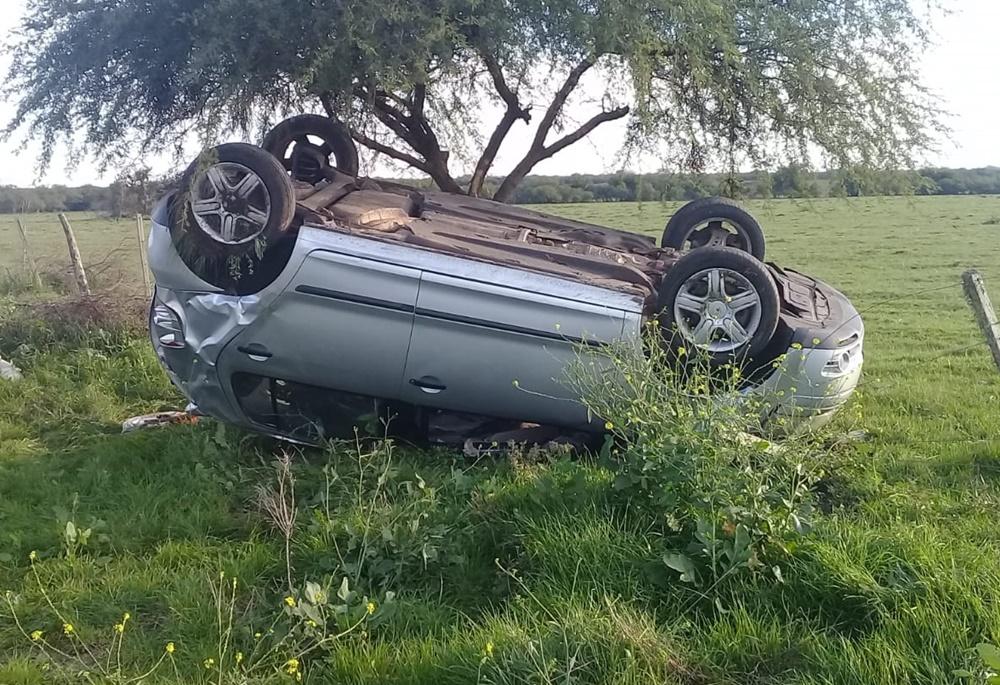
(685, 226)
(740, 273)
(305, 160)
(259, 221)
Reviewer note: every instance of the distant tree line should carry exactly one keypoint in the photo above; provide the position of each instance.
(136, 191)
(131, 193)
(790, 181)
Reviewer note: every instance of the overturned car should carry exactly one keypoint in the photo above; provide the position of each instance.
(293, 297)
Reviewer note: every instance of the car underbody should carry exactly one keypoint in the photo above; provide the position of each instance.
(509, 235)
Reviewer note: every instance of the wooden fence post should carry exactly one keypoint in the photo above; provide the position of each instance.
(140, 234)
(27, 259)
(74, 256)
(975, 290)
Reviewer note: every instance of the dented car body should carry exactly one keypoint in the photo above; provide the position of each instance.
(383, 296)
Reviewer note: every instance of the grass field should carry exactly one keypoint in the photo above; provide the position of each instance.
(108, 246)
(514, 571)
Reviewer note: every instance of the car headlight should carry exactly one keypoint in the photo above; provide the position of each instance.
(166, 326)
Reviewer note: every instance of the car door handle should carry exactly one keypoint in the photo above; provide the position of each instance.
(255, 351)
(429, 385)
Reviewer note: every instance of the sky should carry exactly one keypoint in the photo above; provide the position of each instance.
(961, 69)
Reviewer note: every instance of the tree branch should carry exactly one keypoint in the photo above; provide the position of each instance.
(506, 190)
(419, 96)
(572, 80)
(389, 151)
(327, 99)
(499, 82)
(582, 132)
(394, 120)
(414, 130)
(513, 112)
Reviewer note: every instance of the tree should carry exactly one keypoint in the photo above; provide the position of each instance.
(763, 185)
(789, 181)
(702, 81)
(132, 192)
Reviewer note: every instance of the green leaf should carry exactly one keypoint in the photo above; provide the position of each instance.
(989, 654)
(962, 673)
(742, 539)
(314, 593)
(683, 565)
(623, 481)
(993, 680)
(345, 590)
(311, 613)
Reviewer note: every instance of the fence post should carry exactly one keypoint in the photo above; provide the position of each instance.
(140, 234)
(979, 299)
(74, 256)
(27, 259)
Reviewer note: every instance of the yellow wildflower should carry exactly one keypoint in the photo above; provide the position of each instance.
(33, 556)
(290, 601)
(37, 635)
(681, 351)
(292, 667)
(209, 662)
(170, 648)
(68, 628)
(609, 426)
(311, 623)
(119, 628)
(256, 636)
(489, 649)
(371, 608)
(239, 658)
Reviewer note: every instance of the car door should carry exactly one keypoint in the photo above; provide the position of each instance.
(487, 349)
(343, 322)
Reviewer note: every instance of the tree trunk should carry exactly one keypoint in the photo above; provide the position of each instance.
(505, 193)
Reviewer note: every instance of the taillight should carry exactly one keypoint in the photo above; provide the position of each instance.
(167, 327)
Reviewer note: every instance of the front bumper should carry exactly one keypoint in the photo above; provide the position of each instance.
(809, 386)
(193, 368)
(209, 318)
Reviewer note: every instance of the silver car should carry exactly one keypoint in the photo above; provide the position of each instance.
(293, 297)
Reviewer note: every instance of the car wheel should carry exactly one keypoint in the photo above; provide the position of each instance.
(236, 204)
(714, 222)
(721, 301)
(305, 143)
